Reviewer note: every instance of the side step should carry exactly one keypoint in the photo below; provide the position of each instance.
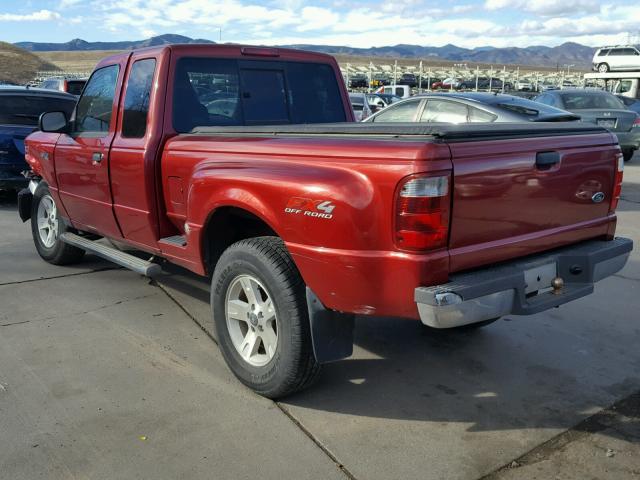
(176, 240)
(112, 254)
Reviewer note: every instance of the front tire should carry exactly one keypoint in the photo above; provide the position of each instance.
(261, 319)
(46, 228)
(603, 68)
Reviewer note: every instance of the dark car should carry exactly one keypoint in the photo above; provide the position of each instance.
(64, 84)
(632, 104)
(602, 108)
(358, 81)
(484, 83)
(20, 108)
(408, 79)
(470, 107)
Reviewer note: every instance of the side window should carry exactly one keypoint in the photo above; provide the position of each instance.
(93, 113)
(444, 111)
(136, 100)
(617, 52)
(401, 112)
(624, 86)
(604, 53)
(264, 97)
(477, 115)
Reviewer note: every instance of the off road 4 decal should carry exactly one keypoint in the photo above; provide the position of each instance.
(310, 208)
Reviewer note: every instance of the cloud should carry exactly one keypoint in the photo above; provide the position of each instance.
(39, 16)
(546, 8)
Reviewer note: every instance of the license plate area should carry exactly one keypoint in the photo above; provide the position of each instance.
(606, 122)
(538, 280)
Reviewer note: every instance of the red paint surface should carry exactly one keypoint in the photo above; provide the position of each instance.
(502, 206)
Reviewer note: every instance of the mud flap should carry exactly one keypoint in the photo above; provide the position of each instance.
(25, 198)
(331, 331)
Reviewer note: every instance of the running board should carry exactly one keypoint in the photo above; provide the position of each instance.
(112, 254)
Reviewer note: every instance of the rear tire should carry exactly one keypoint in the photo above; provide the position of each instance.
(627, 155)
(46, 228)
(261, 319)
(603, 68)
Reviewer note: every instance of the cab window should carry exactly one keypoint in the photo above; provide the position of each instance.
(93, 113)
(136, 100)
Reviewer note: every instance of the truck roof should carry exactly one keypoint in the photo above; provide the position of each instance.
(230, 50)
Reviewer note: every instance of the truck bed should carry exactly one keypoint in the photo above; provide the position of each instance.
(446, 132)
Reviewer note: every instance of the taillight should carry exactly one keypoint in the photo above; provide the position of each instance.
(422, 213)
(617, 184)
(636, 122)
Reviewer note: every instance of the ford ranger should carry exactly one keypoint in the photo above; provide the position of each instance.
(243, 164)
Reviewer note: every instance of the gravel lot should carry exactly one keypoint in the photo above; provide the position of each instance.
(104, 374)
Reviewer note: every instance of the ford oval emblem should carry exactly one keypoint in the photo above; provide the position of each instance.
(597, 197)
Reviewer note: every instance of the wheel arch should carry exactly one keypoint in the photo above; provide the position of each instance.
(228, 224)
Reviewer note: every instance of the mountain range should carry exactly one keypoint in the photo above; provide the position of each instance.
(568, 53)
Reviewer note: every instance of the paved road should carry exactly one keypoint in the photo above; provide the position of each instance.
(104, 374)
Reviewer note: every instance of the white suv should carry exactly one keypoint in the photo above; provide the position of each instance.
(607, 59)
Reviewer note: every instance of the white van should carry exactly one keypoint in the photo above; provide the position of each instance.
(402, 91)
(621, 57)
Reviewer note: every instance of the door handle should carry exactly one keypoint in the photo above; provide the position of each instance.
(545, 160)
(97, 157)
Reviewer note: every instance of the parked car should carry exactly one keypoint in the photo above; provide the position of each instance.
(358, 81)
(20, 108)
(546, 86)
(408, 79)
(601, 108)
(360, 106)
(302, 227)
(483, 83)
(449, 83)
(470, 107)
(378, 101)
(402, 91)
(380, 79)
(621, 57)
(524, 86)
(632, 104)
(73, 86)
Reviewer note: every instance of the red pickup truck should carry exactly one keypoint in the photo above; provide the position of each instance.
(244, 164)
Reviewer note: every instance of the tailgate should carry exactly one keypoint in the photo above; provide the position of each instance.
(507, 204)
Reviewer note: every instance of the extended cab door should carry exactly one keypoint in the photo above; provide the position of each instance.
(82, 155)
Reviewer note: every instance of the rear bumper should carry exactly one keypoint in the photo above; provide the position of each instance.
(502, 290)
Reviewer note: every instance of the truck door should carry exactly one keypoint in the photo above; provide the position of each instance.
(82, 155)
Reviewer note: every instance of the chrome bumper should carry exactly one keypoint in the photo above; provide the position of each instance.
(503, 289)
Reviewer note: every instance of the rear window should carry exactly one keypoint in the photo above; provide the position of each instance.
(218, 92)
(26, 109)
(579, 100)
(530, 108)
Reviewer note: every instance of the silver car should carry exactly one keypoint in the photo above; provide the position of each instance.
(620, 57)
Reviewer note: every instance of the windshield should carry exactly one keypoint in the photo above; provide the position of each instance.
(26, 109)
(581, 101)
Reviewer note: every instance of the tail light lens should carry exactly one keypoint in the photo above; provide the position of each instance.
(617, 185)
(636, 122)
(422, 213)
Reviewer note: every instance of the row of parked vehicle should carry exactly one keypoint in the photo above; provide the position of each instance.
(591, 106)
(22, 106)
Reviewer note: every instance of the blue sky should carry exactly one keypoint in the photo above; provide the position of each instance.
(468, 23)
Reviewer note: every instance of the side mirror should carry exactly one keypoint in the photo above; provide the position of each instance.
(53, 122)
